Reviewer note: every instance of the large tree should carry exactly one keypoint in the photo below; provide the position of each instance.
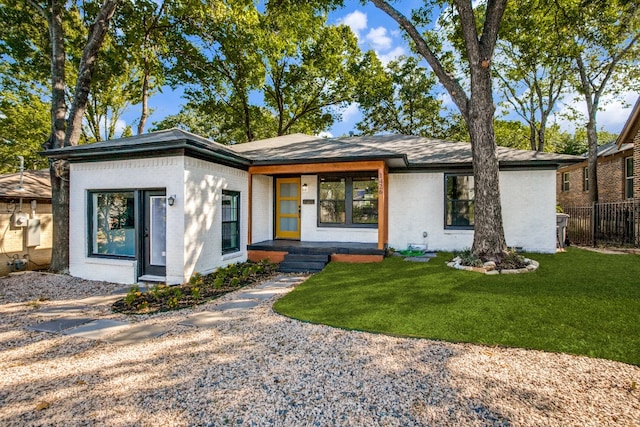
(399, 98)
(602, 39)
(66, 123)
(532, 69)
(259, 73)
(479, 36)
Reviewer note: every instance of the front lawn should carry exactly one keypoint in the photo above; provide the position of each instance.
(578, 302)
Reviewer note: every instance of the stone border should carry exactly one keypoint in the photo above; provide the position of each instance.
(490, 267)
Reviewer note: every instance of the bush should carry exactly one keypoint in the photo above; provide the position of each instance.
(198, 290)
(512, 261)
(468, 258)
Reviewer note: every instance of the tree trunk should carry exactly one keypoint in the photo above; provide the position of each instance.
(60, 137)
(59, 184)
(488, 238)
(592, 164)
(85, 71)
(145, 97)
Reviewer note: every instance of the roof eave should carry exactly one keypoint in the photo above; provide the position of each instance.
(185, 146)
(631, 127)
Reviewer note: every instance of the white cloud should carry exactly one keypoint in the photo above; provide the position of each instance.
(121, 125)
(356, 20)
(379, 39)
(351, 111)
(325, 134)
(392, 55)
(612, 116)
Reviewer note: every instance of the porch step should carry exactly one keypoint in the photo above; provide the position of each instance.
(301, 263)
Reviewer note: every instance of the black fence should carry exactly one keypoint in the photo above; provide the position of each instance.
(605, 224)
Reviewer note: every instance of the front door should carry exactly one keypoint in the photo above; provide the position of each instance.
(288, 208)
(154, 241)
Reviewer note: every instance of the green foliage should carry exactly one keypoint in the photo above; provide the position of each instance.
(399, 98)
(511, 133)
(297, 75)
(198, 290)
(577, 302)
(468, 258)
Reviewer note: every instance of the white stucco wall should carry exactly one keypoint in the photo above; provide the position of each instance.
(416, 205)
(309, 230)
(262, 208)
(193, 223)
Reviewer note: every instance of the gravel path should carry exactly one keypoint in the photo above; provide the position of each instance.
(264, 369)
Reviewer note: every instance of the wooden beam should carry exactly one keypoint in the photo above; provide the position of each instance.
(383, 206)
(313, 168)
(250, 210)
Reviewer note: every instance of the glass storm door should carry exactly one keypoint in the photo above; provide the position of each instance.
(288, 208)
(154, 234)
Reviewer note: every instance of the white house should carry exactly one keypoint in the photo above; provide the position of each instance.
(167, 204)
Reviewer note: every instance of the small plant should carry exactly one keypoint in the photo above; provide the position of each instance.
(468, 258)
(199, 289)
(132, 295)
(512, 261)
(196, 280)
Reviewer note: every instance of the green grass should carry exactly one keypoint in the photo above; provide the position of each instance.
(578, 302)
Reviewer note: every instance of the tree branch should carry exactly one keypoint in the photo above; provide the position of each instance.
(452, 86)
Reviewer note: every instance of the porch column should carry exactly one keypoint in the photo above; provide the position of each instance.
(249, 207)
(383, 206)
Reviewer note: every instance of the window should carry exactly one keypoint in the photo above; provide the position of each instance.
(230, 221)
(628, 177)
(565, 181)
(459, 196)
(585, 179)
(348, 201)
(112, 219)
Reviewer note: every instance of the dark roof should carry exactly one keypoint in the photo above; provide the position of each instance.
(610, 149)
(427, 152)
(398, 151)
(298, 148)
(35, 185)
(157, 143)
(631, 127)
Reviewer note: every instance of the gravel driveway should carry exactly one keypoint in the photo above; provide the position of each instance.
(263, 369)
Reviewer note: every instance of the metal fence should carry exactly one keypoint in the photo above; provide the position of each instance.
(609, 224)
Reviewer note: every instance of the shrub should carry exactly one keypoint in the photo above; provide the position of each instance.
(198, 290)
(512, 261)
(469, 258)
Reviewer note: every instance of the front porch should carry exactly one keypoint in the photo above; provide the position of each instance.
(277, 250)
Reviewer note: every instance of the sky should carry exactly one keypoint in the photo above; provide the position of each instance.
(377, 31)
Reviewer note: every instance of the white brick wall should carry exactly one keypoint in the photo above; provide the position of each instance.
(416, 205)
(203, 184)
(193, 223)
(309, 221)
(262, 208)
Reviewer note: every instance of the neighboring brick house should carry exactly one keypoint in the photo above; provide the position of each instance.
(631, 135)
(618, 170)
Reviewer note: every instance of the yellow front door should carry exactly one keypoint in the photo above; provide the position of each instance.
(288, 208)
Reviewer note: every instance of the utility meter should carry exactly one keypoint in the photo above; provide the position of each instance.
(19, 219)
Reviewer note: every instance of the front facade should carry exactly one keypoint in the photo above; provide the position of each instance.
(165, 205)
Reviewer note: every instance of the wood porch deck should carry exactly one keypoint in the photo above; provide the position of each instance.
(276, 250)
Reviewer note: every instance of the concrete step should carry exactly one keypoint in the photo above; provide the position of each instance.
(301, 267)
(296, 257)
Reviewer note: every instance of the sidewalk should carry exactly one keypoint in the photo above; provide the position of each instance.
(68, 319)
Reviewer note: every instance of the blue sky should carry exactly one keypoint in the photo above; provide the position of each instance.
(376, 31)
